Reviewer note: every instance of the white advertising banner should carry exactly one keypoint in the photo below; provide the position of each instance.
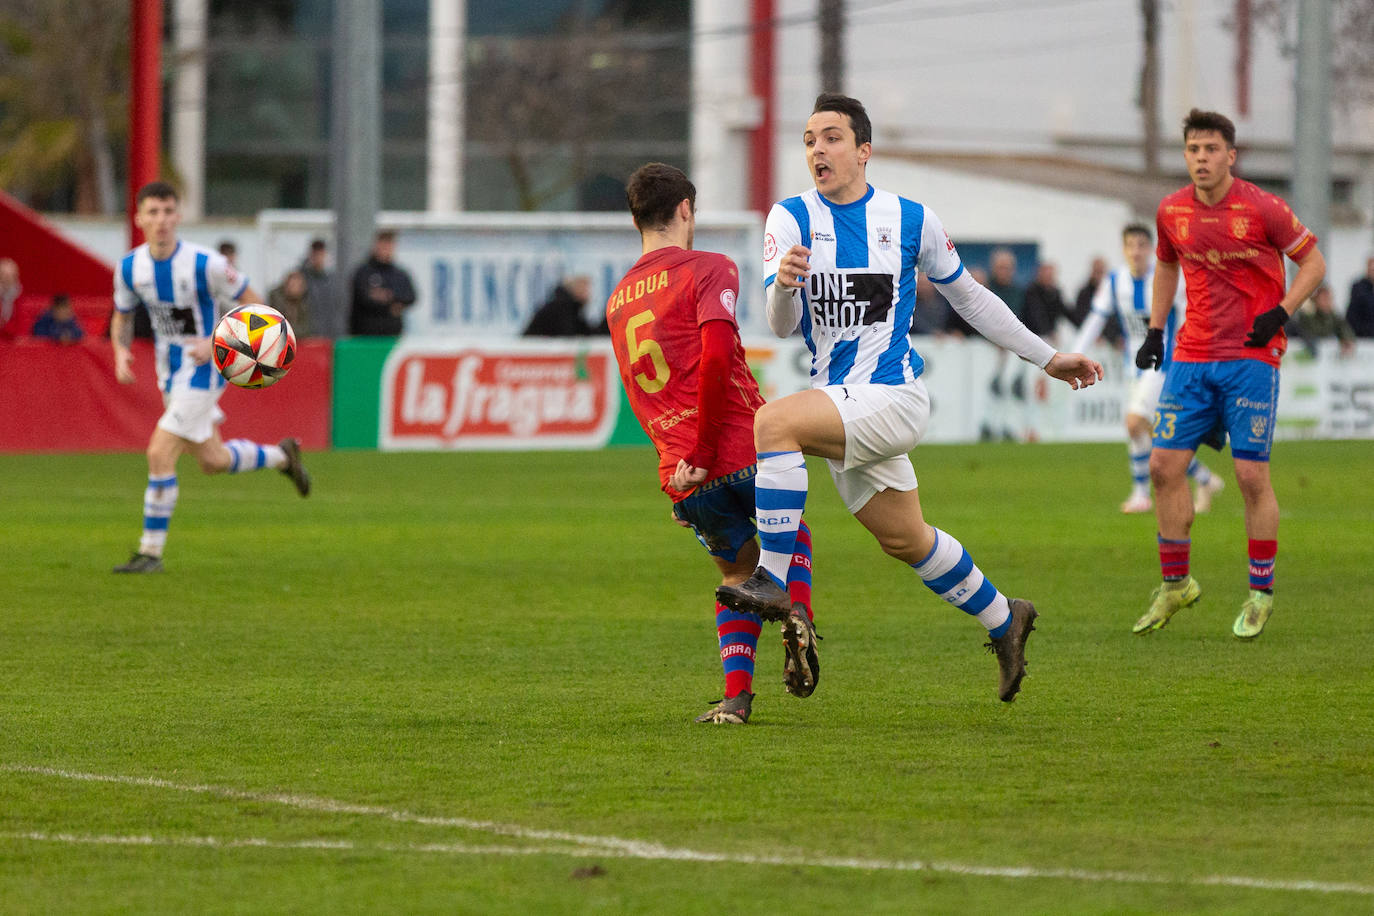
(482, 275)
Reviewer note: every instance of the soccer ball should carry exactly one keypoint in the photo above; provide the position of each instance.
(253, 346)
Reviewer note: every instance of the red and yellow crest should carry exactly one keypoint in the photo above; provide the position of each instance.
(1239, 226)
(1181, 227)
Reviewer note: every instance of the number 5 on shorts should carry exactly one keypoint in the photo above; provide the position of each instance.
(650, 348)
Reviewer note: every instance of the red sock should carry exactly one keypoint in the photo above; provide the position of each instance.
(1262, 555)
(1173, 558)
(799, 573)
(739, 637)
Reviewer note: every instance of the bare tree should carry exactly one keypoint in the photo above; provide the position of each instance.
(1352, 47)
(63, 97)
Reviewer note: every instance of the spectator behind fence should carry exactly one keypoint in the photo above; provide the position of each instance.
(1317, 321)
(1043, 304)
(1083, 302)
(1359, 313)
(561, 313)
(10, 288)
(319, 276)
(291, 297)
(382, 291)
(58, 322)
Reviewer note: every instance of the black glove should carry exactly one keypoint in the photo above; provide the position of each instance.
(1151, 352)
(1266, 325)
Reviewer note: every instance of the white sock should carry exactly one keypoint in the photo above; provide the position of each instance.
(780, 487)
(158, 502)
(949, 572)
(249, 456)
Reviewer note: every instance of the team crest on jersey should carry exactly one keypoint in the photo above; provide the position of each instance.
(1239, 225)
(1257, 425)
(949, 243)
(770, 247)
(727, 301)
(1181, 227)
(885, 238)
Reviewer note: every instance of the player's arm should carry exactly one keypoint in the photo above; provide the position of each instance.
(1162, 291)
(786, 265)
(1311, 271)
(122, 338)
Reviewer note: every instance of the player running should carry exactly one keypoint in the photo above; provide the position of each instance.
(842, 260)
(1228, 237)
(1123, 293)
(182, 285)
(672, 324)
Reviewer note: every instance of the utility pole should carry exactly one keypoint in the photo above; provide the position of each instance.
(831, 23)
(1312, 122)
(1149, 84)
(355, 138)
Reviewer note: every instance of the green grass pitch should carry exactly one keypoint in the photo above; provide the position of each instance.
(464, 683)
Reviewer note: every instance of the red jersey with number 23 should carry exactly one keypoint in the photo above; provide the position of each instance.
(655, 316)
(1232, 262)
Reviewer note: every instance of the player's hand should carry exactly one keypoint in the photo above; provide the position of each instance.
(795, 267)
(199, 352)
(1078, 370)
(685, 477)
(124, 366)
(1266, 325)
(1151, 352)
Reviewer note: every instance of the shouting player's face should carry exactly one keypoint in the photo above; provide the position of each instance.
(158, 218)
(835, 160)
(1209, 160)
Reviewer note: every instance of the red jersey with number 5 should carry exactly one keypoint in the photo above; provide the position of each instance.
(1232, 262)
(655, 316)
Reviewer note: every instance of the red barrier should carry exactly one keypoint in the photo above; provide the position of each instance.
(57, 398)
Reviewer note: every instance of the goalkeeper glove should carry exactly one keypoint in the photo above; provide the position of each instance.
(1151, 352)
(1266, 325)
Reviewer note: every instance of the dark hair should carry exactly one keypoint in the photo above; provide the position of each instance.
(1137, 229)
(1199, 121)
(852, 109)
(318, 245)
(385, 235)
(227, 248)
(158, 190)
(653, 193)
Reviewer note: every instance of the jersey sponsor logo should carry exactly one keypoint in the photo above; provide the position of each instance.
(727, 301)
(172, 322)
(847, 300)
(770, 247)
(1246, 403)
(818, 236)
(495, 398)
(885, 237)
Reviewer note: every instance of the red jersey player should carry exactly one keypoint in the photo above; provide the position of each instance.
(1229, 238)
(672, 324)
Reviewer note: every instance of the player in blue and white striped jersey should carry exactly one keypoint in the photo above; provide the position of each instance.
(1125, 293)
(184, 287)
(842, 260)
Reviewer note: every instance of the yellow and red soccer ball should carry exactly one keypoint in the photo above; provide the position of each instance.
(254, 346)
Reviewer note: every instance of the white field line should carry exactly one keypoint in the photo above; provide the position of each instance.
(589, 846)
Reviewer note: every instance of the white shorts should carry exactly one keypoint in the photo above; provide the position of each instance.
(191, 414)
(881, 424)
(1144, 394)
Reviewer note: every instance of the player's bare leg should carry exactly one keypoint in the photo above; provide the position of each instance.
(1174, 515)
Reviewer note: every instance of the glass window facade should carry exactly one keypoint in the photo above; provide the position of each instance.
(564, 98)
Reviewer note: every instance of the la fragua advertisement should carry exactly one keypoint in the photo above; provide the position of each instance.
(524, 395)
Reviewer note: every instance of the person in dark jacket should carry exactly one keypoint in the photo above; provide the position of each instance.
(561, 314)
(1043, 304)
(382, 291)
(1359, 313)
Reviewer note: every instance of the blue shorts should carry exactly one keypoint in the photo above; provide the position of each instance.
(721, 513)
(1240, 396)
